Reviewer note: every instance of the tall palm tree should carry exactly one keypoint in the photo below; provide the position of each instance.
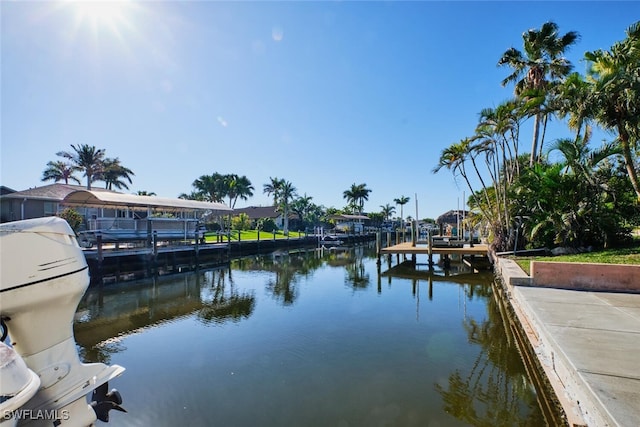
(60, 171)
(356, 195)
(362, 196)
(113, 174)
(287, 194)
(86, 158)
(538, 69)
(402, 200)
(615, 79)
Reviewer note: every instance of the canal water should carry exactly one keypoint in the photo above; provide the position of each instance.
(321, 337)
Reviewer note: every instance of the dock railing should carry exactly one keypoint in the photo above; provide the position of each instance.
(129, 230)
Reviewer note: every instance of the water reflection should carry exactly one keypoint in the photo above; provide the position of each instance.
(107, 314)
(285, 340)
(494, 391)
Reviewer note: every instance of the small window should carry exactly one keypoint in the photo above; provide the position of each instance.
(50, 208)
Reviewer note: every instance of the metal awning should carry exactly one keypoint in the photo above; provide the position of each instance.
(346, 217)
(113, 200)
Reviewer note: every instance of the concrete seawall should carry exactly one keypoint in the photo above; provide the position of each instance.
(586, 276)
(586, 342)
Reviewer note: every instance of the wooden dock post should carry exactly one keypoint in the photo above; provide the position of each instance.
(430, 249)
(154, 241)
(414, 229)
(378, 244)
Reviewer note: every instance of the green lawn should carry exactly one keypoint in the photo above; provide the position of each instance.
(606, 256)
(252, 235)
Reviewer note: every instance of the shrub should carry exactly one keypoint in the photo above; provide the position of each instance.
(73, 218)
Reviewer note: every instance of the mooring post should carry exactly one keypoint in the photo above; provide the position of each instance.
(99, 244)
(378, 244)
(414, 229)
(155, 248)
(430, 249)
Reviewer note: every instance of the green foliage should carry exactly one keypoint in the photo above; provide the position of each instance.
(560, 207)
(241, 222)
(73, 218)
(267, 224)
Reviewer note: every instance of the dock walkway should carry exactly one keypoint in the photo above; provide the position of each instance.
(407, 248)
(588, 344)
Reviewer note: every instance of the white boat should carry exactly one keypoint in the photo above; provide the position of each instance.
(330, 240)
(43, 276)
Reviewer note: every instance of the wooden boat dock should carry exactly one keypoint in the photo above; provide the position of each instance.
(408, 248)
(437, 245)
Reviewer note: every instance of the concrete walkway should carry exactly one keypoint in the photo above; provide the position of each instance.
(589, 345)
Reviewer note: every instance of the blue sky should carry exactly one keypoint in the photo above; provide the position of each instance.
(323, 94)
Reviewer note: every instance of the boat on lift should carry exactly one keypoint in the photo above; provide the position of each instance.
(43, 276)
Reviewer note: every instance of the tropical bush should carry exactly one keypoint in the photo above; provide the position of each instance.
(73, 218)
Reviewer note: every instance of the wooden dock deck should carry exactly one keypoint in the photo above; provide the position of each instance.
(407, 248)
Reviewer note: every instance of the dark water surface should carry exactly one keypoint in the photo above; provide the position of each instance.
(314, 338)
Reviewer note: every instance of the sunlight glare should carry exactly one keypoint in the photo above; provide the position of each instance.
(111, 14)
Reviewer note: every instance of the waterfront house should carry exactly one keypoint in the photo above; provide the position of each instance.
(256, 213)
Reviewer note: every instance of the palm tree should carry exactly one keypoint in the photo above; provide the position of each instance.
(194, 195)
(211, 187)
(356, 195)
(538, 70)
(287, 194)
(387, 211)
(113, 173)
(579, 159)
(362, 195)
(60, 171)
(402, 200)
(237, 187)
(615, 79)
(303, 207)
(151, 193)
(273, 188)
(86, 158)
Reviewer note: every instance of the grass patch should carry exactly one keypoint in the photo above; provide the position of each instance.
(607, 256)
(247, 235)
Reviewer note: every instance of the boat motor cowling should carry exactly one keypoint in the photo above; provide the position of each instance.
(43, 276)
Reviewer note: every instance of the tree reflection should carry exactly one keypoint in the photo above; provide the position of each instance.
(357, 275)
(288, 268)
(223, 303)
(492, 392)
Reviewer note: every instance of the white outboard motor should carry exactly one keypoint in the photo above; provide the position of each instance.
(43, 276)
(18, 384)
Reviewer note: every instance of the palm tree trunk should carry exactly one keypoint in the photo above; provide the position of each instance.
(544, 132)
(628, 160)
(534, 143)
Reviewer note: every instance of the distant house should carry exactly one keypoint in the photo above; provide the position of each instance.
(450, 222)
(256, 213)
(50, 200)
(349, 223)
(35, 202)
(113, 215)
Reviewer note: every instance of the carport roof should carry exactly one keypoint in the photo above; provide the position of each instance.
(104, 199)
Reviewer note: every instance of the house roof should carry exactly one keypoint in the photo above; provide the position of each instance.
(52, 192)
(452, 216)
(113, 199)
(257, 212)
(77, 195)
